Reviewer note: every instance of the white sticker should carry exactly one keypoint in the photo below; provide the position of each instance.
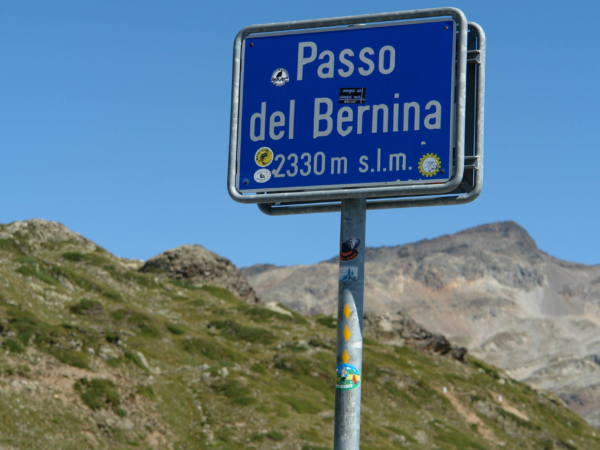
(280, 77)
(262, 175)
(429, 165)
(349, 273)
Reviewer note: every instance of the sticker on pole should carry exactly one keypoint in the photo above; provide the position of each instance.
(347, 377)
(348, 274)
(349, 249)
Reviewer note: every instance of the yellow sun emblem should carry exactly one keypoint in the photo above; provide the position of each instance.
(264, 156)
(429, 165)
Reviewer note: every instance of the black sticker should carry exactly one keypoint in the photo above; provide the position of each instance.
(348, 251)
(353, 95)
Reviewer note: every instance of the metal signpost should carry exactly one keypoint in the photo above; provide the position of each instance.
(356, 113)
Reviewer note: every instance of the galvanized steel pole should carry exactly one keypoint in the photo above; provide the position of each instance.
(350, 318)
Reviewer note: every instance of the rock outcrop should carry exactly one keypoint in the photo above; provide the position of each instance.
(35, 232)
(401, 330)
(196, 265)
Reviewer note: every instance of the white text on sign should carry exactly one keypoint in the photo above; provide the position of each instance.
(368, 119)
(386, 61)
(317, 164)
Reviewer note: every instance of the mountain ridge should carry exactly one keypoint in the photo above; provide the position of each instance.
(479, 287)
(372, 252)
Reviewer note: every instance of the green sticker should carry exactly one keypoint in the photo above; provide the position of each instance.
(347, 377)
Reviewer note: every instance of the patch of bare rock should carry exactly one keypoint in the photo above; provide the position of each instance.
(40, 231)
(399, 329)
(196, 265)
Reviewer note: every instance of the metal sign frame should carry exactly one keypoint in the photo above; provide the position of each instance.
(444, 148)
(329, 195)
(470, 185)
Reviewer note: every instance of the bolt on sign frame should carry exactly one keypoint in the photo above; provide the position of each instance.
(463, 183)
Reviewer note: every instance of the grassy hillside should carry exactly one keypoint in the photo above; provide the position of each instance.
(96, 354)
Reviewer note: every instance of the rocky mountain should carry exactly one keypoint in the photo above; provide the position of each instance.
(198, 266)
(101, 352)
(489, 289)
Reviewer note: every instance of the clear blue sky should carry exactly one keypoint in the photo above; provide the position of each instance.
(114, 120)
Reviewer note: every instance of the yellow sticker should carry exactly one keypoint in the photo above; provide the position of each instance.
(264, 156)
(429, 165)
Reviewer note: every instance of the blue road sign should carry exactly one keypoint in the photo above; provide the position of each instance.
(346, 107)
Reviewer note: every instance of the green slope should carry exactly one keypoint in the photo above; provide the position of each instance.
(96, 354)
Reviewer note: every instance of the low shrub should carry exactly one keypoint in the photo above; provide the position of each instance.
(175, 329)
(258, 368)
(10, 245)
(140, 322)
(86, 283)
(51, 339)
(73, 256)
(231, 389)
(12, 346)
(71, 357)
(243, 401)
(145, 390)
(328, 321)
(234, 331)
(301, 405)
(87, 307)
(98, 394)
(264, 314)
(221, 293)
(275, 436)
(27, 327)
(211, 350)
(38, 272)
